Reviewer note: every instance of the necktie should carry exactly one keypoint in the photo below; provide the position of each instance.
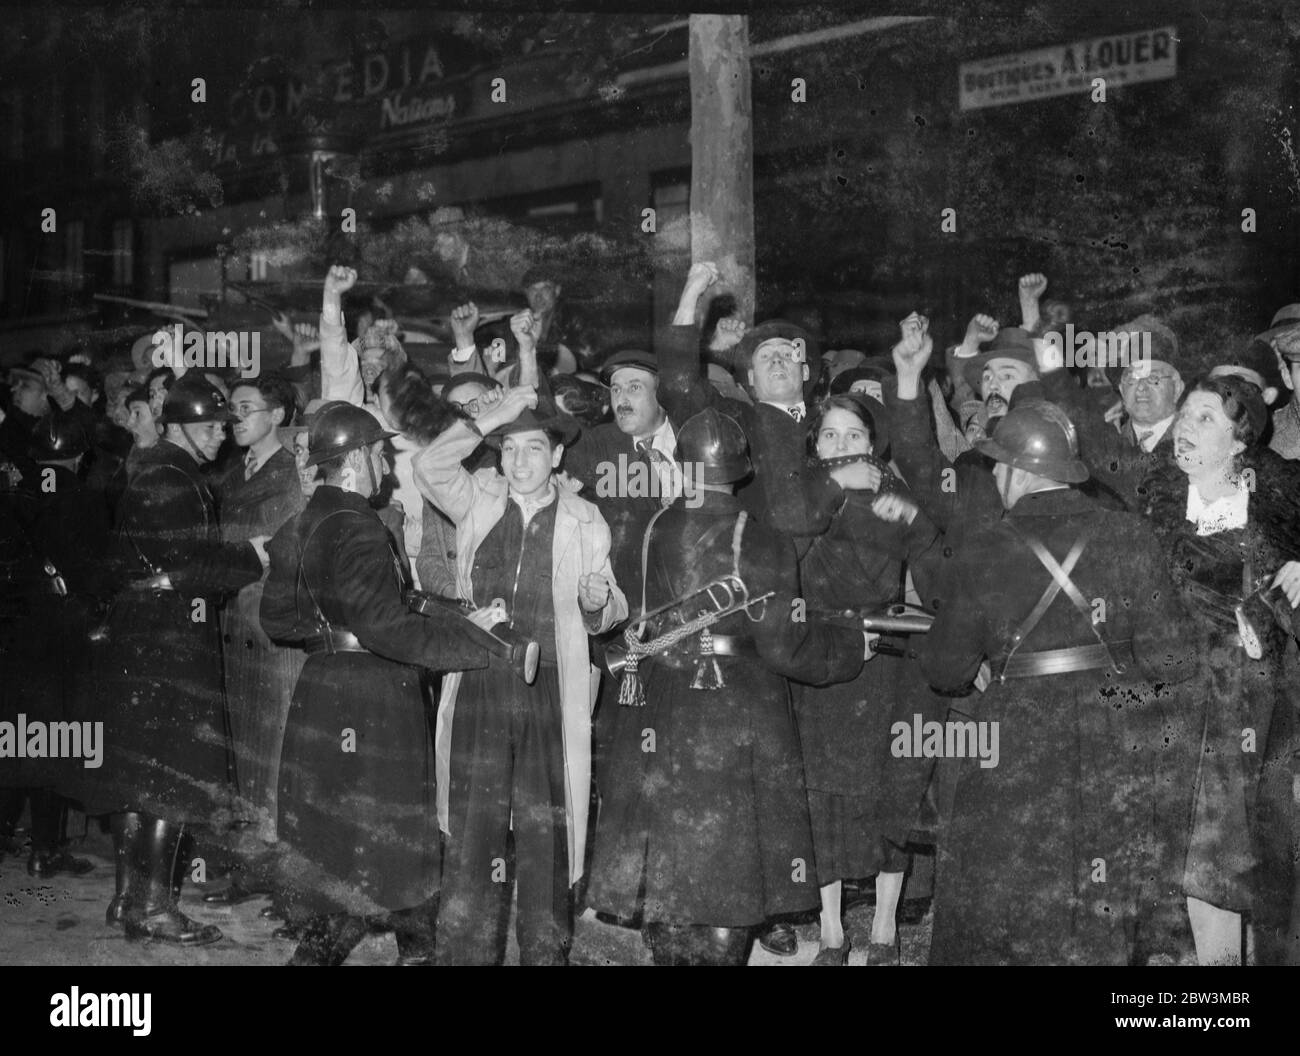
(1143, 437)
(250, 465)
(655, 456)
(664, 468)
(796, 413)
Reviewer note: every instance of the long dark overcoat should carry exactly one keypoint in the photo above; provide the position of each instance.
(158, 677)
(357, 813)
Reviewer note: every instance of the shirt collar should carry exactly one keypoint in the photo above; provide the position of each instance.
(529, 507)
(786, 407)
(1156, 431)
(662, 439)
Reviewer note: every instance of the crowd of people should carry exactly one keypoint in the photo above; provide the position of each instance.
(699, 636)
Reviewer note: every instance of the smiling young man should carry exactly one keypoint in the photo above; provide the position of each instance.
(512, 756)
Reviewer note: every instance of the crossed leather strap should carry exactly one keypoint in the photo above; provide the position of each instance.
(1074, 658)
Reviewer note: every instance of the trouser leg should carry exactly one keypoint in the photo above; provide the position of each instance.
(475, 881)
(326, 940)
(544, 925)
(49, 827)
(415, 930)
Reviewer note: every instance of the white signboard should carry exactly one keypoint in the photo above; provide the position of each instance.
(1120, 60)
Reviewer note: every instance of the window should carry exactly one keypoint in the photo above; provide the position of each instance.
(123, 253)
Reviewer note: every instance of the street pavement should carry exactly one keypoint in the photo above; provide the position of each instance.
(60, 921)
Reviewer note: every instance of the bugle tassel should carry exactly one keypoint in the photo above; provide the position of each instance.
(631, 694)
(708, 675)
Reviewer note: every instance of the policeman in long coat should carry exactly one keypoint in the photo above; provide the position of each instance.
(357, 816)
(1051, 855)
(53, 531)
(704, 827)
(159, 675)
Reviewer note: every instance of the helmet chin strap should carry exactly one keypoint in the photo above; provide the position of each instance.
(194, 448)
(373, 497)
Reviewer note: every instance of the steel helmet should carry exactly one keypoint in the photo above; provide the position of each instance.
(1036, 436)
(192, 398)
(340, 427)
(716, 445)
(56, 439)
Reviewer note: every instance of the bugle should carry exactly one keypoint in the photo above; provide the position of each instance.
(701, 608)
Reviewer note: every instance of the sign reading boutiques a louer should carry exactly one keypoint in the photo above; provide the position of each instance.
(1120, 59)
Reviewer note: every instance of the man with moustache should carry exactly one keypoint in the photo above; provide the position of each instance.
(960, 493)
(603, 460)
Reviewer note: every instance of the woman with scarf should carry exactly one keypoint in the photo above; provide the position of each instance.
(862, 801)
(1231, 529)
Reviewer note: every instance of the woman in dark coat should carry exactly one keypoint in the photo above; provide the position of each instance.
(861, 800)
(1231, 529)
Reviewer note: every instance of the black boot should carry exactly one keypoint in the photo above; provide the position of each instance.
(415, 930)
(669, 944)
(126, 834)
(326, 941)
(49, 832)
(157, 915)
(720, 947)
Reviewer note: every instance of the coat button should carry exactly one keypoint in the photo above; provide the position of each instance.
(248, 644)
(911, 654)
(451, 555)
(947, 551)
(935, 604)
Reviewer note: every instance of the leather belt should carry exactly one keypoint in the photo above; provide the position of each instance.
(1059, 661)
(335, 640)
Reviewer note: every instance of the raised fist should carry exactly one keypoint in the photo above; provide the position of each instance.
(464, 321)
(525, 326)
(728, 334)
(913, 351)
(1033, 285)
(981, 328)
(339, 280)
(702, 275)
